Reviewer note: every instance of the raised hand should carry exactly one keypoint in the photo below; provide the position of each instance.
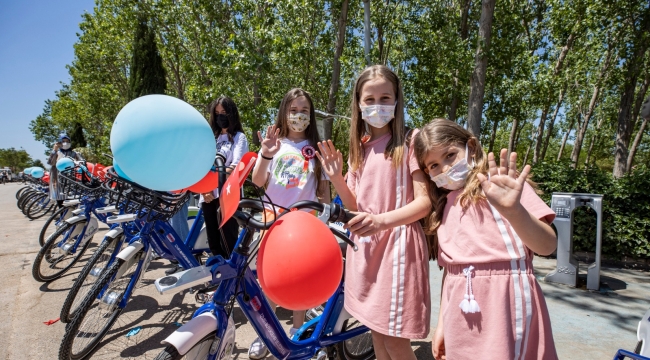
(270, 142)
(330, 158)
(503, 189)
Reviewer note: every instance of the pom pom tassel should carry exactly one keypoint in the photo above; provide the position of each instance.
(469, 304)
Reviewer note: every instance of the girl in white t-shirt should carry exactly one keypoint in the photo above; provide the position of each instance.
(289, 169)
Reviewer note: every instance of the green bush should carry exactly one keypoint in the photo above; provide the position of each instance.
(626, 207)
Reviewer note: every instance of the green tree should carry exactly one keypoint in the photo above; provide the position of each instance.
(17, 160)
(147, 74)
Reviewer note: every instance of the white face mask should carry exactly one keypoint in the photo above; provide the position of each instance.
(377, 115)
(65, 145)
(454, 178)
(298, 122)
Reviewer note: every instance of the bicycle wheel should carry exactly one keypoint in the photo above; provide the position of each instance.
(356, 348)
(21, 191)
(27, 202)
(96, 316)
(198, 351)
(57, 220)
(52, 261)
(39, 207)
(26, 195)
(88, 276)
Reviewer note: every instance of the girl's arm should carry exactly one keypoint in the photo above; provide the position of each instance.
(366, 224)
(324, 188)
(332, 161)
(270, 146)
(438, 340)
(503, 190)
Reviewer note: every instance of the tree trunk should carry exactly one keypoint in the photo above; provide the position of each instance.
(552, 123)
(513, 136)
(530, 145)
(477, 86)
(625, 124)
(577, 146)
(542, 119)
(565, 138)
(635, 144)
(639, 97)
(594, 138)
(493, 135)
(463, 35)
(336, 71)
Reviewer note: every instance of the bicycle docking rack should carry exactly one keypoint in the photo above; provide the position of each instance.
(184, 280)
(566, 272)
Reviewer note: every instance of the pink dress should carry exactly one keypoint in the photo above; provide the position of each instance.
(387, 279)
(513, 321)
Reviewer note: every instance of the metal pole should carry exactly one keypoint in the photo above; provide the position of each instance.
(366, 18)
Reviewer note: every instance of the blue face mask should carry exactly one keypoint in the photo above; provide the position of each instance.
(455, 177)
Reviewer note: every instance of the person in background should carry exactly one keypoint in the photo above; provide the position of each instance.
(62, 149)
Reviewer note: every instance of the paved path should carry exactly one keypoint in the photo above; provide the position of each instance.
(586, 325)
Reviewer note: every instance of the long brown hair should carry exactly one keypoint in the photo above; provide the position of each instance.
(311, 131)
(395, 147)
(436, 134)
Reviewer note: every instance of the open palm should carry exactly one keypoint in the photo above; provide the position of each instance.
(503, 188)
(330, 158)
(270, 142)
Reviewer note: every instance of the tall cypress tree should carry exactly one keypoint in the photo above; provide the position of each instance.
(147, 71)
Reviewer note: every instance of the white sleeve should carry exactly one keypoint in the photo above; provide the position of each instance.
(240, 148)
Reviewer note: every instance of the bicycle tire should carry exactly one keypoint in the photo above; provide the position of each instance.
(20, 191)
(25, 205)
(75, 295)
(91, 301)
(49, 245)
(170, 352)
(48, 222)
(343, 350)
(24, 197)
(37, 209)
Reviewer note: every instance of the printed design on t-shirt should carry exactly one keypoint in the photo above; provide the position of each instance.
(224, 147)
(290, 171)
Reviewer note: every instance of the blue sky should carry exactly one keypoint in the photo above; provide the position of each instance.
(36, 39)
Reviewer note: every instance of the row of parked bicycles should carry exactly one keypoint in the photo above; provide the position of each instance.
(138, 233)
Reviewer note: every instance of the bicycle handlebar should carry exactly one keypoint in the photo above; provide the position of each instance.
(336, 212)
(220, 161)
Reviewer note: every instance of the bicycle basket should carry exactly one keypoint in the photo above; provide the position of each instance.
(76, 182)
(135, 199)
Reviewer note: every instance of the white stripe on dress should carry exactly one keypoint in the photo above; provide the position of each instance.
(402, 254)
(396, 236)
(515, 280)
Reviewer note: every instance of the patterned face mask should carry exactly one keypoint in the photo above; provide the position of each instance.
(298, 122)
(377, 115)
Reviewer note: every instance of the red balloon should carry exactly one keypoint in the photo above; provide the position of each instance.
(209, 182)
(299, 264)
(46, 178)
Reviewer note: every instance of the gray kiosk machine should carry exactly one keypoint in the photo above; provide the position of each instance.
(567, 265)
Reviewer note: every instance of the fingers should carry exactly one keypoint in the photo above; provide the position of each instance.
(524, 174)
(503, 162)
(492, 165)
(259, 136)
(325, 150)
(512, 171)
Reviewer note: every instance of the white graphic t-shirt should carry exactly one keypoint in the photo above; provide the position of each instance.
(291, 178)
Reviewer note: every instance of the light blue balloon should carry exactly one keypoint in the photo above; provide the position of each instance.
(162, 143)
(119, 171)
(64, 163)
(27, 171)
(38, 172)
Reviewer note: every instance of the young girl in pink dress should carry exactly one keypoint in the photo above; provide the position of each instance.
(489, 221)
(387, 279)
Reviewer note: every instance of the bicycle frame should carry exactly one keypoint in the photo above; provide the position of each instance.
(257, 310)
(88, 207)
(160, 237)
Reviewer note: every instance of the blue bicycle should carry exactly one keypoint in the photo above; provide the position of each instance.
(67, 244)
(109, 296)
(210, 334)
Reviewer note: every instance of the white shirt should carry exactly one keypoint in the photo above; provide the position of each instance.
(232, 151)
(291, 180)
